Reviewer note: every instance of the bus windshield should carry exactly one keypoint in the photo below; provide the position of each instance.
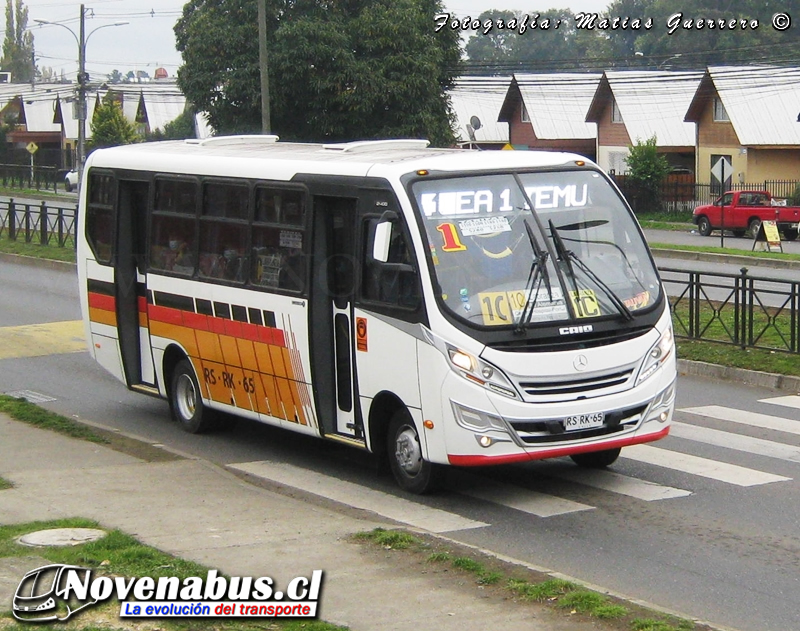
(577, 255)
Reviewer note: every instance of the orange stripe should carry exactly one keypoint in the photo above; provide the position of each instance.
(101, 316)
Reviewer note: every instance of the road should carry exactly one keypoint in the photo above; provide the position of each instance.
(704, 523)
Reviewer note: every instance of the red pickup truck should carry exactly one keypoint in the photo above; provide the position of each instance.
(745, 210)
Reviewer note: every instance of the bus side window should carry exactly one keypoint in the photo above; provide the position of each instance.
(395, 281)
(100, 217)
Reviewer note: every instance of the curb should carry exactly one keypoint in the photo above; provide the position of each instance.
(756, 378)
(33, 261)
(731, 259)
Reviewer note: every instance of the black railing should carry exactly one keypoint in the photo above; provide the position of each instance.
(41, 178)
(38, 223)
(740, 309)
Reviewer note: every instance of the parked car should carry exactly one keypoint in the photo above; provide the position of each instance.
(745, 210)
(71, 181)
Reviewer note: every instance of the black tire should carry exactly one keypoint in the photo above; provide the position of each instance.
(703, 226)
(754, 226)
(596, 459)
(67, 186)
(739, 232)
(790, 234)
(412, 472)
(186, 401)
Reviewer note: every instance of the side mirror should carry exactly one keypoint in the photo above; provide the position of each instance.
(383, 238)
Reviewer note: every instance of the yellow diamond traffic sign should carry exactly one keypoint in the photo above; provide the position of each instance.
(32, 148)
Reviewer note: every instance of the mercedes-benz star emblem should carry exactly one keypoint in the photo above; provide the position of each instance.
(580, 362)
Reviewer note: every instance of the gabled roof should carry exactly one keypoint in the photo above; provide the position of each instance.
(556, 103)
(762, 102)
(480, 97)
(652, 103)
(163, 108)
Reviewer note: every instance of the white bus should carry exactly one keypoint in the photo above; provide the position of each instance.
(435, 306)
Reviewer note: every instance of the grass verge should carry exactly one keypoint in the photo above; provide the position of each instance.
(27, 412)
(523, 585)
(119, 554)
(745, 250)
(50, 252)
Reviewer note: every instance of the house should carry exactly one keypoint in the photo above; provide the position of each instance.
(548, 112)
(476, 103)
(631, 106)
(748, 125)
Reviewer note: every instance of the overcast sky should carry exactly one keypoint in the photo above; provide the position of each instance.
(148, 41)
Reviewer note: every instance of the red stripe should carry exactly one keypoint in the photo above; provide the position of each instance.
(165, 314)
(195, 321)
(278, 338)
(250, 332)
(102, 301)
(233, 328)
(477, 461)
(142, 304)
(216, 325)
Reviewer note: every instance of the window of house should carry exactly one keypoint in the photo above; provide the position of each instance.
(524, 117)
(720, 115)
(616, 115)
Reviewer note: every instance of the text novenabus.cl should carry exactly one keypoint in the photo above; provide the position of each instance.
(57, 592)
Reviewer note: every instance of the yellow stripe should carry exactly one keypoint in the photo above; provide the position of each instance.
(38, 340)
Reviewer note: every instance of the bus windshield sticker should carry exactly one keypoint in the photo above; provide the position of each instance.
(500, 308)
(584, 302)
(484, 225)
(639, 301)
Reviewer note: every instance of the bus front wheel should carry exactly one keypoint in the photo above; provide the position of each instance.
(186, 401)
(412, 472)
(596, 459)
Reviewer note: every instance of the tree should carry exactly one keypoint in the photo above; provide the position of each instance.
(178, 129)
(339, 69)
(18, 44)
(115, 76)
(109, 125)
(647, 169)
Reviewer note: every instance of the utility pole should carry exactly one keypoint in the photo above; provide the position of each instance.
(262, 66)
(82, 95)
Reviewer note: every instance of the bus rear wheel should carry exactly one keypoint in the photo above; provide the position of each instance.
(186, 401)
(596, 459)
(411, 471)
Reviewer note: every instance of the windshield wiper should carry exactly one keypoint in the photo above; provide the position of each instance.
(538, 272)
(569, 257)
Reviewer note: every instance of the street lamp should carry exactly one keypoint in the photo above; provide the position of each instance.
(668, 59)
(82, 80)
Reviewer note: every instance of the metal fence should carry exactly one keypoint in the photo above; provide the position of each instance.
(682, 193)
(41, 178)
(38, 223)
(741, 309)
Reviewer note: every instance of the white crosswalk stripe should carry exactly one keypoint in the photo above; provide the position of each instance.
(622, 484)
(738, 442)
(791, 401)
(396, 508)
(743, 417)
(705, 467)
(525, 500)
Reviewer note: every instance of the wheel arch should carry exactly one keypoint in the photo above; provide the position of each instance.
(384, 405)
(173, 354)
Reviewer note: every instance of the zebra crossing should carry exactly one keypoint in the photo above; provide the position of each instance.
(662, 455)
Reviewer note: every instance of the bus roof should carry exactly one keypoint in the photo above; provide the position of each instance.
(263, 157)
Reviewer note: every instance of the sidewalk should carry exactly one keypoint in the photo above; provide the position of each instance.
(201, 512)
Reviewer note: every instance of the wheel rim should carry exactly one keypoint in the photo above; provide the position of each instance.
(407, 451)
(185, 397)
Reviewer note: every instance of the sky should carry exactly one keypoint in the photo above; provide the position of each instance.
(148, 41)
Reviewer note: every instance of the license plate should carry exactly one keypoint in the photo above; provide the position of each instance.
(584, 421)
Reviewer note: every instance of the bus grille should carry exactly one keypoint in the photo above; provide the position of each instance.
(552, 431)
(550, 390)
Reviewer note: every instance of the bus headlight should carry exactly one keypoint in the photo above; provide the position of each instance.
(657, 355)
(660, 407)
(480, 372)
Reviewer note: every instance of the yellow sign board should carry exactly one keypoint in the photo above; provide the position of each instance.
(32, 148)
(768, 237)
